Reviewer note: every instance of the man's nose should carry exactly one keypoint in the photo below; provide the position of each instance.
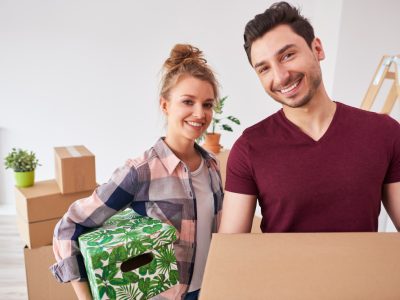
(281, 77)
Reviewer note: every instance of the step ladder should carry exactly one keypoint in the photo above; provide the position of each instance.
(383, 72)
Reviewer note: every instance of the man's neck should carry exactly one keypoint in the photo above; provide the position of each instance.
(314, 118)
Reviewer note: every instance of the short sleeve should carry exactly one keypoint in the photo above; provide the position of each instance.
(239, 172)
(393, 172)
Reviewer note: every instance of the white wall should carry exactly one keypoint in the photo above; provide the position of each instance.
(86, 72)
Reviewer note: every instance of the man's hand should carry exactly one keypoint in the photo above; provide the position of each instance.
(237, 213)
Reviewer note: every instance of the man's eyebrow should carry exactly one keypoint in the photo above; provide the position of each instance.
(279, 52)
(283, 49)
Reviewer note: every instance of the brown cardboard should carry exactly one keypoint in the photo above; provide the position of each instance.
(44, 201)
(74, 169)
(255, 228)
(303, 266)
(38, 210)
(223, 158)
(41, 283)
(36, 234)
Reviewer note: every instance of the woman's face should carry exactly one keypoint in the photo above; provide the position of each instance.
(189, 108)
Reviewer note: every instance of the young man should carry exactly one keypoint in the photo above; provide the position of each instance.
(316, 165)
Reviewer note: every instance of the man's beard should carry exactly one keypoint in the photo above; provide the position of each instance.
(315, 82)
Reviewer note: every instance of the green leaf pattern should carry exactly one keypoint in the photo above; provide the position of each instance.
(123, 236)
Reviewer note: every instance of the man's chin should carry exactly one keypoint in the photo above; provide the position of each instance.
(293, 103)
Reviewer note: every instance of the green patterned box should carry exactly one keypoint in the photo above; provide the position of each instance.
(125, 241)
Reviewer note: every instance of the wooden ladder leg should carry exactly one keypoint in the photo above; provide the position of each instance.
(376, 83)
(390, 99)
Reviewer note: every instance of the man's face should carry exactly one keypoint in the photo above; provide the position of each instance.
(286, 66)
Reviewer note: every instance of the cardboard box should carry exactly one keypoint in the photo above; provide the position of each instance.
(41, 283)
(38, 210)
(222, 157)
(303, 266)
(130, 253)
(74, 169)
(255, 228)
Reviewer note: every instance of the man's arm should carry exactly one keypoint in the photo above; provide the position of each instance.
(391, 201)
(237, 213)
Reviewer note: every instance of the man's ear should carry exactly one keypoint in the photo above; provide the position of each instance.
(164, 105)
(318, 49)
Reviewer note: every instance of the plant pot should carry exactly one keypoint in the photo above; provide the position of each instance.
(211, 142)
(24, 179)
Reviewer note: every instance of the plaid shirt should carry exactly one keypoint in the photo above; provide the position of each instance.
(157, 185)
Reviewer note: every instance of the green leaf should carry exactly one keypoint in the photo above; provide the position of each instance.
(152, 229)
(122, 254)
(174, 276)
(234, 120)
(113, 270)
(130, 276)
(227, 127)
(111, 292)
(119, 281)
(102, 290)
(144, 285)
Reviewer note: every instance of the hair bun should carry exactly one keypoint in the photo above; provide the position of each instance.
(183, 54)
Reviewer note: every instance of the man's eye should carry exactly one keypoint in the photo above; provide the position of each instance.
(263, 70)
(287, 56)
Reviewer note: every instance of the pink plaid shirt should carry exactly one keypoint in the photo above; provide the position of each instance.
(158, 185)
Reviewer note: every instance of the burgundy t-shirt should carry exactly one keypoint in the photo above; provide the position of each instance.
(330, 185)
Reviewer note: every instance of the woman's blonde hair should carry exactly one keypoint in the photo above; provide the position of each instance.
(184, 59)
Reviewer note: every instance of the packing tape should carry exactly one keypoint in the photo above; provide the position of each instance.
(386, 63)
(73, 151)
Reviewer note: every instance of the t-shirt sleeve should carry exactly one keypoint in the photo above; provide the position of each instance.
(239, 172)
(393, 173)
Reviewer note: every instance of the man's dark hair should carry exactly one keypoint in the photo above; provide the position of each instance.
(279, 13)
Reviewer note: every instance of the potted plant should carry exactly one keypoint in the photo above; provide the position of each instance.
(23, 163)
(212, 138)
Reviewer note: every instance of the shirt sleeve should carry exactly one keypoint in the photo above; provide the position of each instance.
(393, 173)
(87, 213)
(239, 172)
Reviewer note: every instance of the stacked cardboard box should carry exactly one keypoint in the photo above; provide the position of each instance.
(41, 206)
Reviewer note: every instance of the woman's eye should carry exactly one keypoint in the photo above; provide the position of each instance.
(187, 102)
(208, 105)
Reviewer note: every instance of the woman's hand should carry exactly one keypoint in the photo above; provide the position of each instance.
(82, 290)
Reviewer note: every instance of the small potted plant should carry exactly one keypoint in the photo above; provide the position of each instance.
(23, 163)
(212, 138)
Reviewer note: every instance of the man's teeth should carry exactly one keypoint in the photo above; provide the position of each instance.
(195, 124)
(287, 90)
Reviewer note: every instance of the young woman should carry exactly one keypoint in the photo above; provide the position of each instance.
(175, 181)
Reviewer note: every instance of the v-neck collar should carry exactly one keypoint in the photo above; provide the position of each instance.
(305, 135)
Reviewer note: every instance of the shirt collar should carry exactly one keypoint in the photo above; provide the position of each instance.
(171, 161)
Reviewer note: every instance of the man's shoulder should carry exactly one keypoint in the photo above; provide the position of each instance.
(373, 119)
(261, 127)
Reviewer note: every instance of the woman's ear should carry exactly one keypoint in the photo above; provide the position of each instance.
(164, 105)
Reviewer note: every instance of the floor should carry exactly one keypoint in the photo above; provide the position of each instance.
(12, 268)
